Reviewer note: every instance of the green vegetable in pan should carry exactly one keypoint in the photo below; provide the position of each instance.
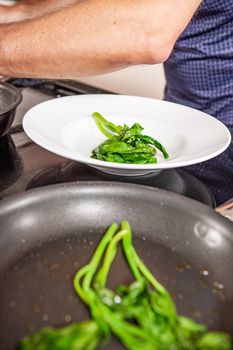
(126, 144)
(141, 315)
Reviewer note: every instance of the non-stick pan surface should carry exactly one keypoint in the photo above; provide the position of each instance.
(49, 233)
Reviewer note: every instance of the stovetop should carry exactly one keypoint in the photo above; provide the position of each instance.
(24, 165)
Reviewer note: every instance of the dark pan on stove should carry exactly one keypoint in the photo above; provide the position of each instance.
(10, 98)
(48, 233)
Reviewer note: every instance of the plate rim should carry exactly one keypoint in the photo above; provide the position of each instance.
(67, 153)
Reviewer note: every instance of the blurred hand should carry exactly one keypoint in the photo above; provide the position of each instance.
(29, 9)
(10, 14)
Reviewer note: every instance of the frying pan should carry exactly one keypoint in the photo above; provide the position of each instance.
(49, 233)
(10, 98)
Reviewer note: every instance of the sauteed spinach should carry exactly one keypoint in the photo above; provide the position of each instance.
(126, 144)
(141, 315)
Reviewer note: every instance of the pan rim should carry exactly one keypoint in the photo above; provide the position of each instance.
(188, 204)
(19, 97)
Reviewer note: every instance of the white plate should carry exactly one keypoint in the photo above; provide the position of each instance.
(65, 126)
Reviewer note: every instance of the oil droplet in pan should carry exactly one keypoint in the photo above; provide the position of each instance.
(68, 318)
(204, 272)
(45, 317)
(219, 286)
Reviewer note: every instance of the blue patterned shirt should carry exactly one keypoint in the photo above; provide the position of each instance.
(199, 74)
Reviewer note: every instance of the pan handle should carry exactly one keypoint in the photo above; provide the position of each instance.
(226, 209)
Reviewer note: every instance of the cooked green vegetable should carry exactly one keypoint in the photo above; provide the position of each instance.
(78, 336)
(126, 144)
(141, 315)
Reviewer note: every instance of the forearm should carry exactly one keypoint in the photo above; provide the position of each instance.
(93, 37)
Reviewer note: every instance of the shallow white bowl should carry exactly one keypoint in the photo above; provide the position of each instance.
(65, 126)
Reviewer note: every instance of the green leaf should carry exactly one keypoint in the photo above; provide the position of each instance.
(78, 336)
(214, 341)
(150, 140)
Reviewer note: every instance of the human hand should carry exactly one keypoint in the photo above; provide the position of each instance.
(29, 9)
(10, 13)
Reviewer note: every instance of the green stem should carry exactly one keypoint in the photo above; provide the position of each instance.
(128, 251)
(132, 336)
(101, 278)
(102, 129)
(87, 272)
(77, 285)
(147, 274)
(104, 125)
(98, 255)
